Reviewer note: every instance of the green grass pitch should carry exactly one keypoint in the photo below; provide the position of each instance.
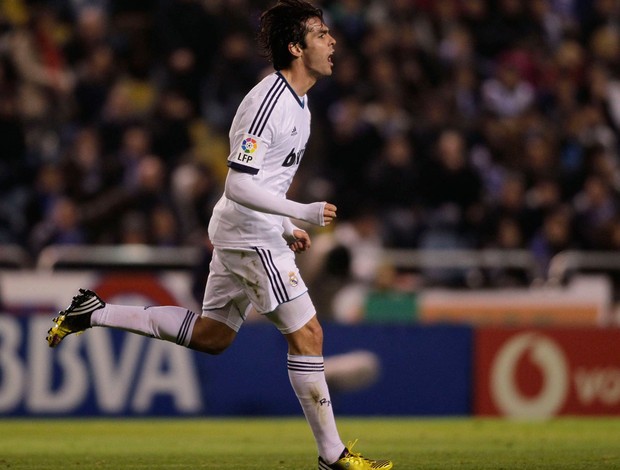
(266, 444)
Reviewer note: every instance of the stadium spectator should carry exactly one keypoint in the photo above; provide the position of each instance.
(595, 208)
(60, 227)
(506, 94)
(45, 79)
(509, 205)
(450, 187)
(555, 235)
(94, 80)
(90, 172)
(87, 89)
(90, 33)
(194, 192)
(16, 168)
(393, 181)
(345, 264)
(49, 187)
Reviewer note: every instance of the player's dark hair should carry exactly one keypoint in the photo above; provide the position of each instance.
(283, 24)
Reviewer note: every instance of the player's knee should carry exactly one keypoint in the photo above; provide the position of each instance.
(211, 338)
(210, 344)
(314, 333)
(215, 347)
(308, 340)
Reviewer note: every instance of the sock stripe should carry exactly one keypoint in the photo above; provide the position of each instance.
(305, 366)
(187, 321)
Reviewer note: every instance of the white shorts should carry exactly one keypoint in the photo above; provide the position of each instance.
(240, 278)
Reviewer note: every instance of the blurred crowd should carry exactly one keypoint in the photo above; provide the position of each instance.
(446, 123)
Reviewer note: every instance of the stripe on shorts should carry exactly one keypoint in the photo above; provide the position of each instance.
(277, 285)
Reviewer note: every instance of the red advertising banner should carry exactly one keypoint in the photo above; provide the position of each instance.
(538, 373)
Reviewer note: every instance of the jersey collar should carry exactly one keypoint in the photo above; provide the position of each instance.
(301, 100)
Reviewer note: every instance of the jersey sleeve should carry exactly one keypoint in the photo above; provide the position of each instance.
(248, 153)
(255, 126)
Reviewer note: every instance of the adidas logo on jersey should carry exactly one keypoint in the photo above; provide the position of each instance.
(294, 131)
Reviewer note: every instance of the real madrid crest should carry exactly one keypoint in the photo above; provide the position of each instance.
(292, 279)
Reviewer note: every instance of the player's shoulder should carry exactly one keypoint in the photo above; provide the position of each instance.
(263, 105)
(268, 88)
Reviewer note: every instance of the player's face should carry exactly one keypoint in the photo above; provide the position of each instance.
(318, 54)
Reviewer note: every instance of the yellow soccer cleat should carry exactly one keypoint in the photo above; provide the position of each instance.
(354, 461)
(75, 318)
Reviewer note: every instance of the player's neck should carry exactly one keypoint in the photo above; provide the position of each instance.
(299, 80)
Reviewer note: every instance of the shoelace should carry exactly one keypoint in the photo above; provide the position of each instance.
(79, 297)
(355, 456)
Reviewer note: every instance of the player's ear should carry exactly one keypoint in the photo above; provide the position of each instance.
(295, 49)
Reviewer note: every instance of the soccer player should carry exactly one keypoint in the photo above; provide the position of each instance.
(254, 240)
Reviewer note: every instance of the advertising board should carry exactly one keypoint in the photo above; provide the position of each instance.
(585, 301)
(372, 369)
(540, 373)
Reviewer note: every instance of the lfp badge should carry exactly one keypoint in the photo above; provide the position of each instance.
(249, 145)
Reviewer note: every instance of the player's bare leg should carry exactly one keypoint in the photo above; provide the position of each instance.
(211, 336)
(179, 325)
(307, 375)
(170, 323)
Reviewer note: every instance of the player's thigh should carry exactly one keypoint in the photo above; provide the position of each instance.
(225, 299)
(268, 276)
(292, 316)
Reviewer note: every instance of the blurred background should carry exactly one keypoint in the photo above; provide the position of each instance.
(471, 147)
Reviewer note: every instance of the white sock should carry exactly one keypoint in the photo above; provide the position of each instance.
(170, 323)
(307, 376)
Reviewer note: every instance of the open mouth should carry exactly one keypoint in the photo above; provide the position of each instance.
(330, 59)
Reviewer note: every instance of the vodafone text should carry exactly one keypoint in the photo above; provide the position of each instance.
(570, 381)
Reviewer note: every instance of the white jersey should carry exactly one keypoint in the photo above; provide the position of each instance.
(268, 138)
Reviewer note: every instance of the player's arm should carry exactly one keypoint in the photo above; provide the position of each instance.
(289, 229)
(298, 240)
(242, 188)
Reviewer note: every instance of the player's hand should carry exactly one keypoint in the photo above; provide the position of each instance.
(302, 241)
(329, 213)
